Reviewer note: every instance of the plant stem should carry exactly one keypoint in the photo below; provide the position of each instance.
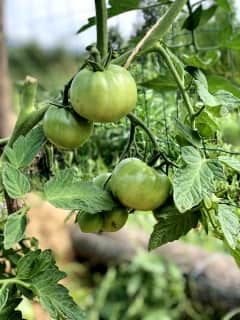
(157, 31)
(23, 128)
(21, 283)
(194, 40)
(130, 141)
(101, 23)
(159, 48)
(138, 122)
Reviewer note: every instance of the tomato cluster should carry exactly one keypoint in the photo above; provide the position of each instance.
(99, 96)
(136, 186)
(106, 96)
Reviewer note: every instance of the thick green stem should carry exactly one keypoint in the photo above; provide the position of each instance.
(177, 78)
(157, 31)
(130, 141)
(28, 97)
(23, 128)
(21, 283)
(101, 23)
(194, 40)
(138, 122)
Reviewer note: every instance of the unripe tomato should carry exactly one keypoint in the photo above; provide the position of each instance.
(114, 220)
(90, 222)
(138, 186)
(103, 96)
(65, 129)
(101, 180)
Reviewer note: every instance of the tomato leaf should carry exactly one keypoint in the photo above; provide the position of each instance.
(195, 180)
(14, 229)
(203, 62)
(202, 88)
(207, 14)
(15, 182)
(231, 162)
(216, 83)
(39, 269)
(25, 148)
(193, 20)
(189, 134)
(64, 191)
(172, 227)
(230, 224)
(160, 83)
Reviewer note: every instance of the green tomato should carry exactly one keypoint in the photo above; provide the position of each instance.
(101, 180)
(90, 222)
(114, 220)
(138, 186)
(103, 96)
(65, 129)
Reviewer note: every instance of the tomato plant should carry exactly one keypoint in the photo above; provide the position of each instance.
(103, 96)
(175, 161)
(139, 186)
(65, 129)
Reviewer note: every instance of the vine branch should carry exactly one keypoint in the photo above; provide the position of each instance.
(159, 29)
(138, 122)
(159, 48)
(101, 23)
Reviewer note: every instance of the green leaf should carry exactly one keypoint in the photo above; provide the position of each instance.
(230, 225)
(216, 83)
(31, 144)
(14, 229)
(4, 293)
(63, 191)
(231, 162)
(40, 271)
(207, 14)
(195, 180)
(227, 99)
(202, 88)
(160, 83)
(15, 182)
(193, 20)
(206, 124)
(172, 227)
(187, 133)
(204, 61)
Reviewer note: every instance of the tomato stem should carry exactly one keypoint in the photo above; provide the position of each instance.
(138, 122)
(159, 48)
(130, 141)
(157, 31)
(101, 23)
